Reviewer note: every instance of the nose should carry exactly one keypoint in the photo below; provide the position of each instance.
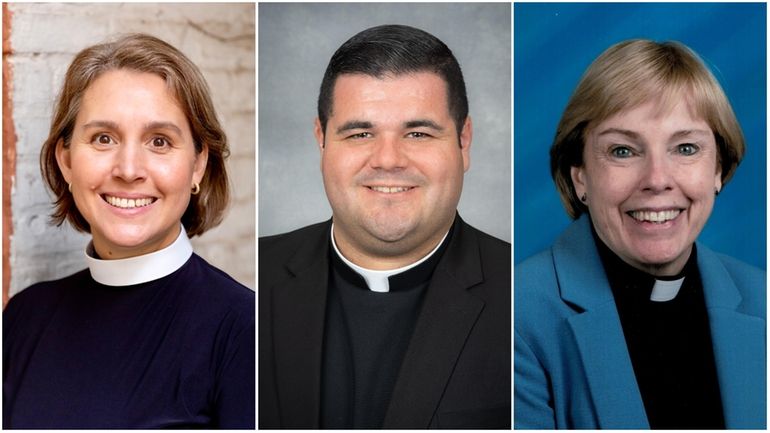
(388, 154)
(657, 174)
(129, 163)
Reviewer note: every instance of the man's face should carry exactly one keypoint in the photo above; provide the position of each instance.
(392, 164)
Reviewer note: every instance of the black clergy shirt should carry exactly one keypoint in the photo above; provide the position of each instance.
(669, 344)
(365, 339)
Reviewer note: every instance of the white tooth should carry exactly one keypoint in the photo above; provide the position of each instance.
(131, 203)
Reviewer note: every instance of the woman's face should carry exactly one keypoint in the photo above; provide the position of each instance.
(131, 163)
(650, 176)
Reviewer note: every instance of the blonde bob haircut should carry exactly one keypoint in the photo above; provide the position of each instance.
(629, 74)
(142, 53)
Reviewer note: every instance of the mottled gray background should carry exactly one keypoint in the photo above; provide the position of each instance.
(296, 42)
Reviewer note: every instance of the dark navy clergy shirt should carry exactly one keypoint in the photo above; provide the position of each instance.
(175, 352)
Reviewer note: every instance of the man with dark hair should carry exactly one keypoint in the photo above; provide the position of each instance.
(395, 313)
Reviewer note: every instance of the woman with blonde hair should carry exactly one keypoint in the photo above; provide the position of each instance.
(627, 321)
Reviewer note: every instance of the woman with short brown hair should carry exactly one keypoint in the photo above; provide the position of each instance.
(150, 335)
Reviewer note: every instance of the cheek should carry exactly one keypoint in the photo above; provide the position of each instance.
(89, 168)
(340, 167)
(442, 168)
(610, 187)
(172, 176)
(698, 182)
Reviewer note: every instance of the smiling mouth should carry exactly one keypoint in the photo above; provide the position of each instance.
(128, 203)
(390, 189)
(658, 217)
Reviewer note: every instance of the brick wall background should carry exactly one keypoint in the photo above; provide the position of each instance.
(219, 38)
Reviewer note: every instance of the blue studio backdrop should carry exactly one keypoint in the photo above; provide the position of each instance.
(553, 45)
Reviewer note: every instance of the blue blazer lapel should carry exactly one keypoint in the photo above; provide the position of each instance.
(739, 349)
(597, 330)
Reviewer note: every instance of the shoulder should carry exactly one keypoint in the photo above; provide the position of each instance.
(488, 243)
(495, 253)
(743, 273)
(536, 290)
(47, 292)
(750, 282)
(33, 307)
(221, 289)
(300, 247)
(535, 268)
(294, 239)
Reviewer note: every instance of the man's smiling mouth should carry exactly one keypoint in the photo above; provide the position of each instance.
(128, 203)
(390, 189)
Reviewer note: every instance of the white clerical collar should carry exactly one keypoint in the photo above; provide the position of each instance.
(140, 269)
(664, 291)
(377, 281)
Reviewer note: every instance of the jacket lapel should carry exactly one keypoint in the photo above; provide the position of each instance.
(299, 333)
(597, 330)
(739, 350)
(447, 316)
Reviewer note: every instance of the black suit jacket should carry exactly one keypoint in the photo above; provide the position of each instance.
(456, 372)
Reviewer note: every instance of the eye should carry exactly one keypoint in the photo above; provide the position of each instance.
(102, 139)
(160, 142)
(687, 149)
(360, 135)
(621, 152)
(418, 134)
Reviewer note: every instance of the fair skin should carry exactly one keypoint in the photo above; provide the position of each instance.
(131, 163)
(393, 165)
(649, 176)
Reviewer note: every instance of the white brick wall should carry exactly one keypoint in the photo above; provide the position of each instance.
(219, 38)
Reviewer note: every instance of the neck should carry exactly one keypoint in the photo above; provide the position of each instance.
(384, 261)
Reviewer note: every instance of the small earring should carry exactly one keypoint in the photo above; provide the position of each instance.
(583, 198)
(196, 188)
(69, 186)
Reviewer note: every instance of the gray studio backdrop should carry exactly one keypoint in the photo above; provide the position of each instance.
(295, 44)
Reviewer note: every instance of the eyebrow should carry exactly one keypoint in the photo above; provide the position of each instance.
(163, 125)
(635, 135)
(148, 126)
(423, 123)
(687, 132)
(101, 124)
(363, 124)
(626, 132)
(354, 124)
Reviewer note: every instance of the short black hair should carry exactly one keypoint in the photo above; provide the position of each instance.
(395, 49)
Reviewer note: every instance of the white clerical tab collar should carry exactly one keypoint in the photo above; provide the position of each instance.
(664, 291)
(377, 281)
(140, 269)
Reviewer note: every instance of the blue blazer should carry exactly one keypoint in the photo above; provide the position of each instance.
(571, 365)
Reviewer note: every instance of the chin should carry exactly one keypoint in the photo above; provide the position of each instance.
(658, 256)
(127, 238)
(390, 229)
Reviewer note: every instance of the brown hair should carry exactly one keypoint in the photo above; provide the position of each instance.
(627, 75)
(142, 53)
